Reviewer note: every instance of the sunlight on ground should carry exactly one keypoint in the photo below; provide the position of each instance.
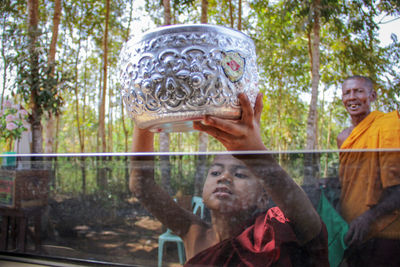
(147, 223)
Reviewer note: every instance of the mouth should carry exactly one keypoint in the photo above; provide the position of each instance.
(353, 107)
(222, 191)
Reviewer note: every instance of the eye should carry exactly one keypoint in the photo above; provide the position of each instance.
(215, 173)
(241, 175)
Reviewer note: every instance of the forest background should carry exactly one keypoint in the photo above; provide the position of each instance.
(59, 76)
(59, 62)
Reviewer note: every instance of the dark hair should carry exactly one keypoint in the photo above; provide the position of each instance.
(365, 79)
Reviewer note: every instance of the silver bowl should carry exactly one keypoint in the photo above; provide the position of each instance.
(174, 75)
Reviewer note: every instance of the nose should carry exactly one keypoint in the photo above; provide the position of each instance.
(352, 94)
(225, 178)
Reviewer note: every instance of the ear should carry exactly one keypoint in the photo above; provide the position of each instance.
(373, 95)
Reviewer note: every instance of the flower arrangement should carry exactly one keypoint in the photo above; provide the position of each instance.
(13, 122)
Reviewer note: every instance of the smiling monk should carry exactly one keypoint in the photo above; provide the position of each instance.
(370, 197)
(242, 231)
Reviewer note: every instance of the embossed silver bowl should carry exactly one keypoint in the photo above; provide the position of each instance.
(174, 75)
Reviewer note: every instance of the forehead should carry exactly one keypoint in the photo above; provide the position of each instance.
(227, 161)
(354, 84)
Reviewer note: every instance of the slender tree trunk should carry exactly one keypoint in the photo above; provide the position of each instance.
(201, 165)
(124, 128)
(54, 182)
(328, 142)
(165, 163)
(5, 61)
(110, 123)
(311, 170)
(4, 81)
(78, 121)
(240, 16)
(204, 11)
(231, 12)
(50, 125)
(167, 12)
(201, 161)
(102, 128)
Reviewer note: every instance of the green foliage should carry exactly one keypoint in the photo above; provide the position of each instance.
(47, 85)
(349, 45)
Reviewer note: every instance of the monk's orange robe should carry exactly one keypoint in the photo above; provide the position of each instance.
(365, 174)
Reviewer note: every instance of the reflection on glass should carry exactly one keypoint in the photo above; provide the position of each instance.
(81, 207)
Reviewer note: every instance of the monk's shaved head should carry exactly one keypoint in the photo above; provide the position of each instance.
(367, 81)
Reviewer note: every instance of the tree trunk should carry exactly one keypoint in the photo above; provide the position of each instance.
(36, 112)
(110, 122)
(328, 142)
(201, 161)
(165, 163)
(201, 165)
(50, 125)
(231, 12)
(102, 129)
(204, 12)
(240, 16)
(4, 58)
(311, 170)
(167, 12)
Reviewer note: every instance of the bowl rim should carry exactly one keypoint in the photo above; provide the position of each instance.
(188, 28)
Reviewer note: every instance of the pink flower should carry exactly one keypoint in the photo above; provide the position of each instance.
(22, 113)
(7, 104)
(10, 118)
(11, 126)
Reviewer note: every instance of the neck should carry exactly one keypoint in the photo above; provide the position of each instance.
(356, 119)
(225, 226)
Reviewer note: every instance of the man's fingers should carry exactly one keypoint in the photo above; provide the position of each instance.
(213, 131)
(247, 109)
(228, 126)
(258, 107)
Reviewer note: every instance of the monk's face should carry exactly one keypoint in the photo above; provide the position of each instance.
(230, 188)
(357, 97)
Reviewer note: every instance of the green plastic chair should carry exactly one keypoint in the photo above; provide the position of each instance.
(197, 203)
(168, 236)
(9, 161)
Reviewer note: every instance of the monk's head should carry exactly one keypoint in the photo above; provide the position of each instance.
(231, 188)
(357, 95)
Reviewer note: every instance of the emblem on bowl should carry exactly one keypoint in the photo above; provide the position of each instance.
(176, 74)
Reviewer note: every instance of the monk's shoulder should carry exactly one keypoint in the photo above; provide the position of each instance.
(389, 120)
(343, 136)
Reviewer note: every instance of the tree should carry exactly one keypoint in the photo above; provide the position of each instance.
(311, 160)
(36, 112)
(51, 120)
(102, 129)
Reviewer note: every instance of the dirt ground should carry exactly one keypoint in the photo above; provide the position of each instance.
(123, 234)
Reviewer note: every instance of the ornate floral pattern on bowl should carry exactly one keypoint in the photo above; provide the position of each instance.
(173, 75)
